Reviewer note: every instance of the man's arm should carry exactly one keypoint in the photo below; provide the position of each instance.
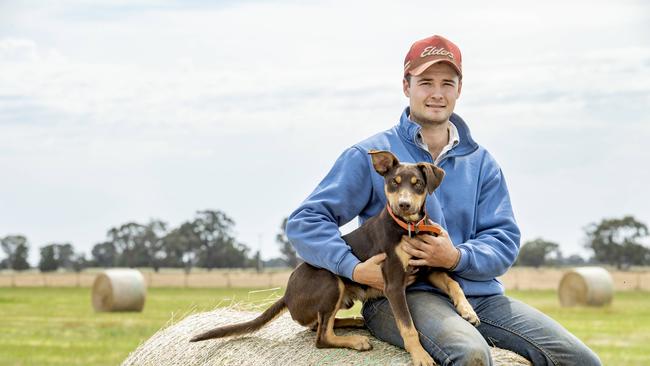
(496, 244)
(313, 228)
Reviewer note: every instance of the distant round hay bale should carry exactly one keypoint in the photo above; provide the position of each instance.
(119, 290)
(282, 342)
(586, 286)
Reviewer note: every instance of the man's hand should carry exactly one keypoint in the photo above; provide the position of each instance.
(369, 273)
(432, 251)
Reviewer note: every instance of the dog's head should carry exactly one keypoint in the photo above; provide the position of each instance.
(406, 185)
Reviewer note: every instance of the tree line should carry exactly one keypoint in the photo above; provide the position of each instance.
(618, 242)
(207, 241)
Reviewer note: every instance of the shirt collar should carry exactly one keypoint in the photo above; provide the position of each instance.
(465, 145)
(454, 137)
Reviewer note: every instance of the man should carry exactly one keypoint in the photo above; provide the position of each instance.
(480, 241)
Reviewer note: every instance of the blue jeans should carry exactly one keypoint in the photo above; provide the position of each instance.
(505, 323)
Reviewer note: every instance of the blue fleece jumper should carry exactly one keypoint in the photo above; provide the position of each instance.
(472, 204)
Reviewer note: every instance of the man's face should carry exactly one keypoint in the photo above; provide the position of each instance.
(432, 94)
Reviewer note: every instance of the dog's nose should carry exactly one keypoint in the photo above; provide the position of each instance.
(404, 205)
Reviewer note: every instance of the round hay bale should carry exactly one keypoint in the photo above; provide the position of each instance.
(281, 342)
(119, 290)
(586, 286)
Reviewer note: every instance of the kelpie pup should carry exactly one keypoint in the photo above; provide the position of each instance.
(314, 295)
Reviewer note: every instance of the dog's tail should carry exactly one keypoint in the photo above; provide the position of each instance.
(242, 328)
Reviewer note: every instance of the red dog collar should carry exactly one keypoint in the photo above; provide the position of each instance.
(418, 227)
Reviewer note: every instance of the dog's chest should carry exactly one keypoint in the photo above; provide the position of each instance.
(402, 255)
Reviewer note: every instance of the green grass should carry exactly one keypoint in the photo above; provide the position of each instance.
(619, 333)
(57, 326)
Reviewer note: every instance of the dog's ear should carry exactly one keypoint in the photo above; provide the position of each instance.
(383, 161)
(432, 174)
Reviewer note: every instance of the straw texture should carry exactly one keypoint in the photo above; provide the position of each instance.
(281, 342)
(119, 290)
(586, 286)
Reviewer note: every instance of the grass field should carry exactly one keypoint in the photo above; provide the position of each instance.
(57, 326)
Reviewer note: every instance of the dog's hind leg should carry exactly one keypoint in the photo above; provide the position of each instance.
(444, 282)
(355, 322)
(325, 337)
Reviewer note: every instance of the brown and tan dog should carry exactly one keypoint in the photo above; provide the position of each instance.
(315, 295)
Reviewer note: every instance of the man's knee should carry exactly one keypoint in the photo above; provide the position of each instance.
(474, 355)
(585, 356)
(570, 355)
(463, 348)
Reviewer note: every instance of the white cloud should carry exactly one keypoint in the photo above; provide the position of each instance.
(18, 50)
(151, 104)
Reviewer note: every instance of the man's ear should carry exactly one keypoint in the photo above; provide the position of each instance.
(405, 87)
(432, 174)
(383, 161)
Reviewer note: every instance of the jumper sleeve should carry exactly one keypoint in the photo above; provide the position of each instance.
(313, 228)
(494, 247)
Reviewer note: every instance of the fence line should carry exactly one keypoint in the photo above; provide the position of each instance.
(515, 279)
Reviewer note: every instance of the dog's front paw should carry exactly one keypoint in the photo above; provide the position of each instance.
(467, 312)
(361, 343)
(422, 358)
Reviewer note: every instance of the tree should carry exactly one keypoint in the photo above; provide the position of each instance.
(79, 262)
(153, 242)
(128, 240)
(288, 253)
(218, 248)
(16, 249)
(181, 247)
(618, 241)
(535, 253)
(257, 262)
(133, 245)
(104, 254)
(55, 256)
(48, 262)
(574, 260)
(65, 255)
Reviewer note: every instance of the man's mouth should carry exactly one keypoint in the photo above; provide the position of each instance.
(434, 106)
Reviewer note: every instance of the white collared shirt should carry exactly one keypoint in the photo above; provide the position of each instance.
(454, 139)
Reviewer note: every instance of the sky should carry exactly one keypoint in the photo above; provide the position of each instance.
(118, 111)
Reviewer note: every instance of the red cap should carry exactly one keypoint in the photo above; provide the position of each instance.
(429, 51)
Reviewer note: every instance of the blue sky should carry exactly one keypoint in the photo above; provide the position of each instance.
(112, 111)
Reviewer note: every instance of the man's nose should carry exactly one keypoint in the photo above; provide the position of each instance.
(436, 92)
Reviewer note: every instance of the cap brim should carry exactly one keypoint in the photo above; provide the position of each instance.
(420, 69)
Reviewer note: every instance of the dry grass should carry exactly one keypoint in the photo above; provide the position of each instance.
(518, 278)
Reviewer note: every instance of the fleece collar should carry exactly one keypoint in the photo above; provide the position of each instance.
(409, 131)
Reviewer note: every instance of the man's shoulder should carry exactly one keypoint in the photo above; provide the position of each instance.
(479, 155)
(384, 140)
